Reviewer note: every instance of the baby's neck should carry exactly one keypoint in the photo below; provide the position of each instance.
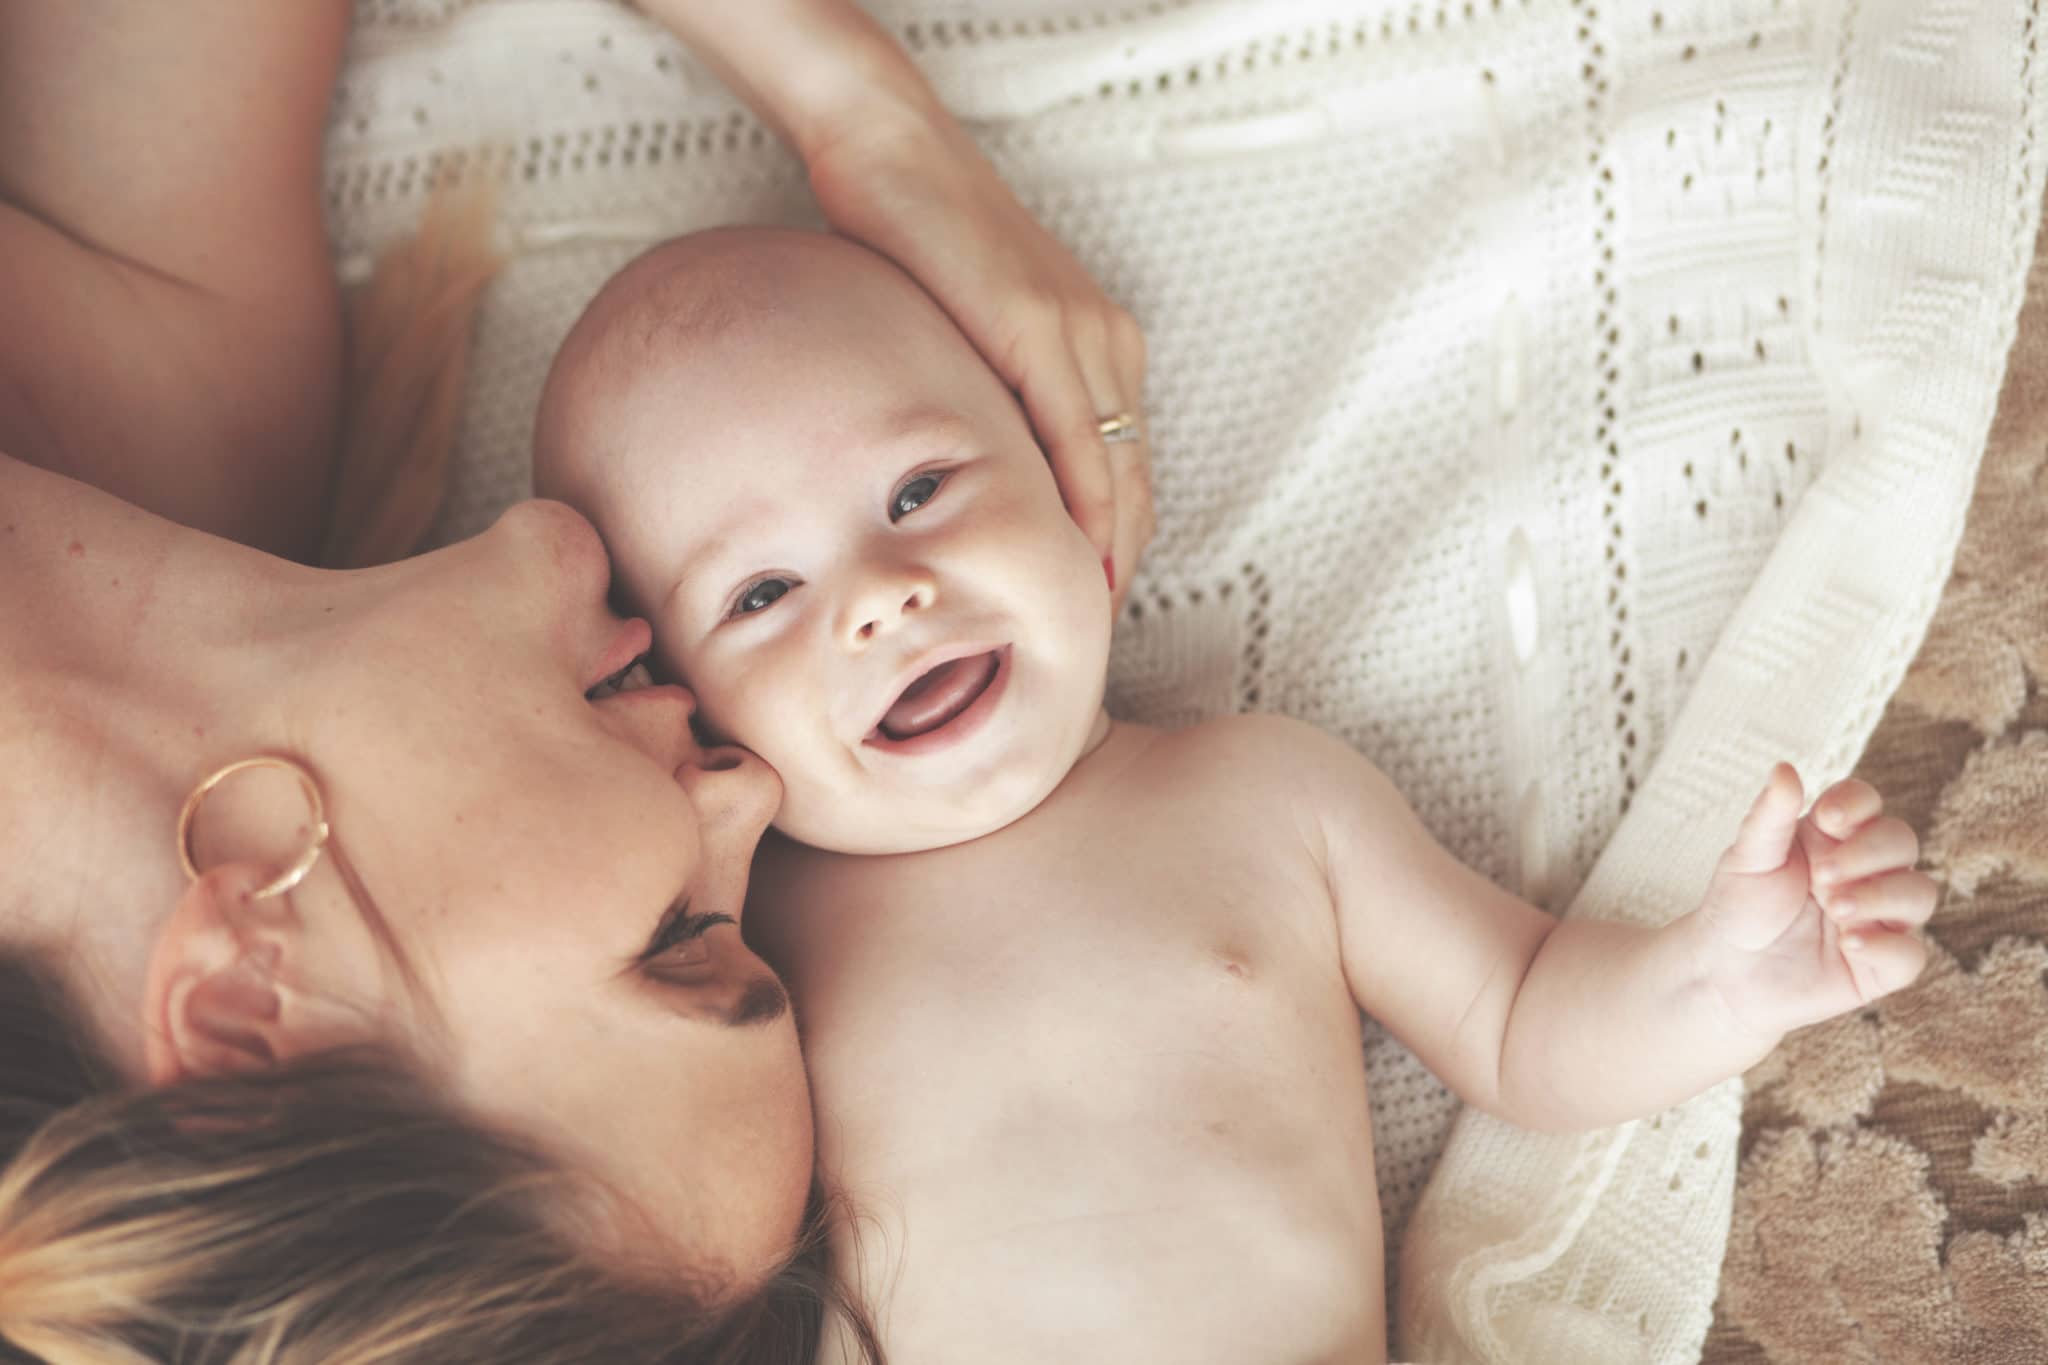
(1109, 748)
(1097, 733)
(1112, 746)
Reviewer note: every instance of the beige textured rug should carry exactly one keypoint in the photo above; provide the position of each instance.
(1892, 1203)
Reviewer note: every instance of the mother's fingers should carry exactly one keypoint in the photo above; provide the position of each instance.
(1131, 463)
(1131, 466)
(1060, 403)
(1111, 354)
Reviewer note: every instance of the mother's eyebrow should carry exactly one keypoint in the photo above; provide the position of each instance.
(762, 1002)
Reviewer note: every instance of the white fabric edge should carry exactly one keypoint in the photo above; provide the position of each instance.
(1871, 543)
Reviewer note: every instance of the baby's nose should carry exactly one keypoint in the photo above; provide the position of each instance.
(881, 606)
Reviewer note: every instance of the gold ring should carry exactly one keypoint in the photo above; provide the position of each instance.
(291, 876)
(1118, 427)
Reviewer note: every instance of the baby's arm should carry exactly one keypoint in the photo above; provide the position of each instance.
(1565, 1025)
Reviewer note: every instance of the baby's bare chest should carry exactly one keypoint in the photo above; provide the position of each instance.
(1069, 1059)
(1090, 941)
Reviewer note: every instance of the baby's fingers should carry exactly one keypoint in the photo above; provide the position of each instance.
(1765, 838)
(1880, 845)
(1842, 808)
(1881, 961)
(1897, 900)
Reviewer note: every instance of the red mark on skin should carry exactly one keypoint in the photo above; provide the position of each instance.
(113, 582)
(199, 732)
(10, 528)
(1109, 572)
(77, 549)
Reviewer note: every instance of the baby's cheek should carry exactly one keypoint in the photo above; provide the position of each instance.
(820, 817)
(752, 717)
(773, 701)
(716, 723)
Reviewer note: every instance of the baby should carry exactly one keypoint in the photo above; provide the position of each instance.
(1081, 998)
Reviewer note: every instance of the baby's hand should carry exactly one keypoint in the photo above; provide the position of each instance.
(1808, 918)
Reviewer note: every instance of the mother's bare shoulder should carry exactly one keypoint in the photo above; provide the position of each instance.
(169, 319)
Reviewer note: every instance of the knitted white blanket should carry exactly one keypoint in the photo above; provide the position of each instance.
(1571, 404)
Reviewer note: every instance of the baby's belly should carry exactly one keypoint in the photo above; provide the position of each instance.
(1188, 1266)
(1180, 1171)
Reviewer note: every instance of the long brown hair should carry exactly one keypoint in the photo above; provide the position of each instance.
(332, 1211)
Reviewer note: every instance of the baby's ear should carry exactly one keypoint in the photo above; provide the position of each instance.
(218, 999)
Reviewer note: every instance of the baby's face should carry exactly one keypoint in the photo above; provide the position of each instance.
(853, 551)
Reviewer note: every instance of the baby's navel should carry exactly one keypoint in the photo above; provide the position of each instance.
(1234, 963)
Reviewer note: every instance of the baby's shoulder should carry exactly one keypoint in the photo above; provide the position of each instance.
(1253, 743)
(1275, 764)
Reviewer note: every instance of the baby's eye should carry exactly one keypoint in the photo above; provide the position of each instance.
(759, 596)
(915, 494)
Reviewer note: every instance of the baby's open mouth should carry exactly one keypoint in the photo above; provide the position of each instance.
(938, 697)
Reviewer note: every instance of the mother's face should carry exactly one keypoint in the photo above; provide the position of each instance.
(563, 880)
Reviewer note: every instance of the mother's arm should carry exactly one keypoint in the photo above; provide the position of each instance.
(169, 321)
(891, 167)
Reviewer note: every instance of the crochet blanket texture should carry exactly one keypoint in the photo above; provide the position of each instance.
(1572, 405)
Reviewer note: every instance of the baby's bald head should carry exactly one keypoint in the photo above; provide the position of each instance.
(809, 481)
(654, 324)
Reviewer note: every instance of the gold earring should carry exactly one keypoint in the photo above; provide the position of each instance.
(300, 866)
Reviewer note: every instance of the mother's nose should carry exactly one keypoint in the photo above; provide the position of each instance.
(736, 794)
(559, 540)
(656, 721)
(561, 529)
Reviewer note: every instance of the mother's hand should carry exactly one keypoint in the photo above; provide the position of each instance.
(913, 185)
(891, 168)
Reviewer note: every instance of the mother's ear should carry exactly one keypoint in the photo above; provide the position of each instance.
(226, 991)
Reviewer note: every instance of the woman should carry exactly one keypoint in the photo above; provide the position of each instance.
(497, 1078)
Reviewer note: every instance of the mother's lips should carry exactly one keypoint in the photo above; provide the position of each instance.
(633, 638)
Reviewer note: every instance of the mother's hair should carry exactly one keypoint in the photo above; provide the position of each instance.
(329, 1211)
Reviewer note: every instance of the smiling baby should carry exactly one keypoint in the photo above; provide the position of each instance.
(1080, 998)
